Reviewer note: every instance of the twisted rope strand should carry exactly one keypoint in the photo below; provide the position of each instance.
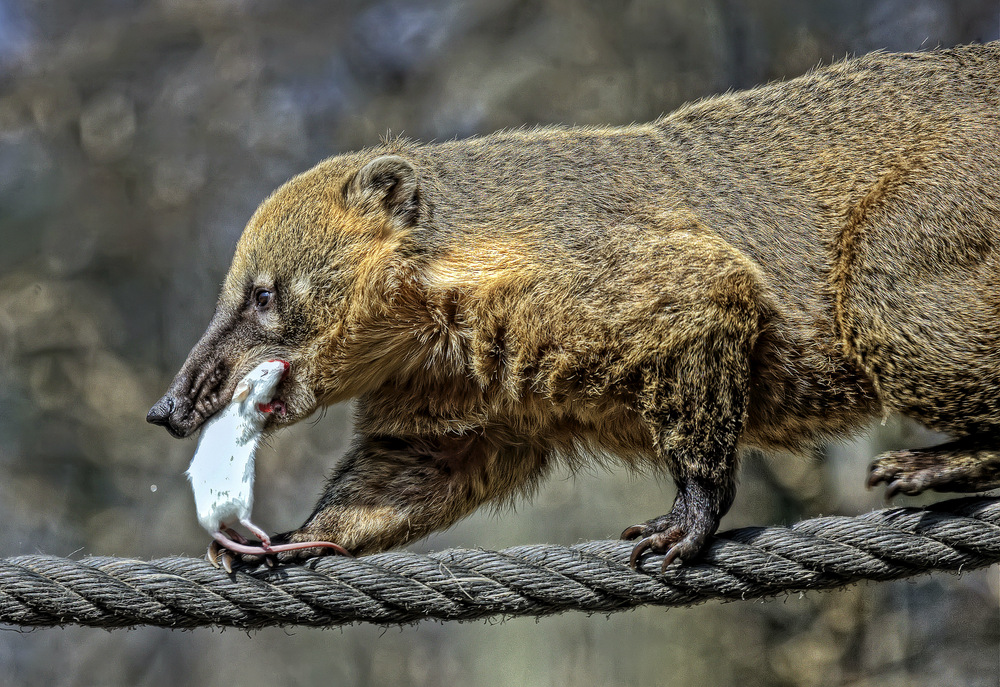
(466, 584)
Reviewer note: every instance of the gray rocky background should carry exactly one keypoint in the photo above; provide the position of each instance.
(136, 138)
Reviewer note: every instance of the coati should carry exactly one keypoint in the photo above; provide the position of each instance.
(765, 268)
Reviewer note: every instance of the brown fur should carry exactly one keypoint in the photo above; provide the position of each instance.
(764, 268)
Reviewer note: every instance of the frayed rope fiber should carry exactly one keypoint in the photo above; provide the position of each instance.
(467, 584)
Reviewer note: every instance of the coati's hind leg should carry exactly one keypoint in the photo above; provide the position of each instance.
(968, 464)
(696, 408)
(916, 308)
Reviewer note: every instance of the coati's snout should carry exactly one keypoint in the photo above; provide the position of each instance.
(201, 386)
(190, 400)
(234, 343)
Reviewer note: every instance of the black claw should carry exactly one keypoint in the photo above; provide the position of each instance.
(874, 477)
(672, 554)
(631, 533)
(638, 550)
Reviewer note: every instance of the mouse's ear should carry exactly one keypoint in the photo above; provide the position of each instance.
(242, 391)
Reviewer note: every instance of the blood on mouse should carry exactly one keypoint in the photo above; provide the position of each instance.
(287, 365)
(276, 407)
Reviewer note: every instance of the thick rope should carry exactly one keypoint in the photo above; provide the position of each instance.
(465, 584)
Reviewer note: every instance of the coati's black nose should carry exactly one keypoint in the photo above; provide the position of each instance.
(159, 414)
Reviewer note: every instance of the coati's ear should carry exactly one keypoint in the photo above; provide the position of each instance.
(387, 183)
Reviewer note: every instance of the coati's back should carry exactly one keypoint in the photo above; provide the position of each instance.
(775, 170)
(780, 169)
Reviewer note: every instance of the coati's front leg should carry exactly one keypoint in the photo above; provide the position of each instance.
(388, 491)
(696, 406)
(964, 465)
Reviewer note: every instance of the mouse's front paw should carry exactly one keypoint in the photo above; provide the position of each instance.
(285, 548)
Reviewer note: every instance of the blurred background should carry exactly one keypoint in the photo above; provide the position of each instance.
(137, 137)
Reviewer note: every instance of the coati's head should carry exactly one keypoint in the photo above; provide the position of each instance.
(311, 280)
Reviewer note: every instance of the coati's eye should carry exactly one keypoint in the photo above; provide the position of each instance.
(262, 298)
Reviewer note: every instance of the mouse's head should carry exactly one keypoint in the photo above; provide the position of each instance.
(255, 392)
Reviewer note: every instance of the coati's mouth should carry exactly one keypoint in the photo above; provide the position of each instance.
(276, 406)
(197, 395)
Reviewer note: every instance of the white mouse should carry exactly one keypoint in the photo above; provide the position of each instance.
(222, 469)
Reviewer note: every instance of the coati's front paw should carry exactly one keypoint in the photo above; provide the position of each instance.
(682, 532)
(288, 547)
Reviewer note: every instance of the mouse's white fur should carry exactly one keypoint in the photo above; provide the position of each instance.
(222, 469)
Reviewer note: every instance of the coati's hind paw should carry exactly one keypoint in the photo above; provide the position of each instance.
(681, 533)
(902, 473)
(959, 466)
